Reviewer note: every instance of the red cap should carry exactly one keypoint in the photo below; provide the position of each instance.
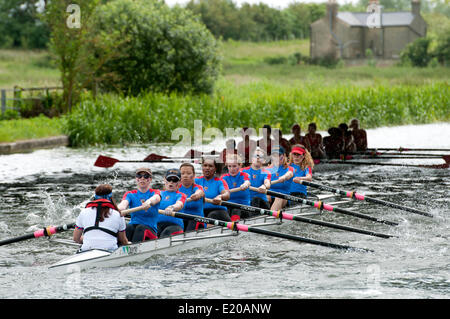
(298, 150)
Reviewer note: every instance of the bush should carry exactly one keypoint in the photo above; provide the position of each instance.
(416, 53)
(164, 49)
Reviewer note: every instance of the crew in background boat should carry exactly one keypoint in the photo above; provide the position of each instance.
(334, 143)
(171, 200)
(259, 178)
(302, 163)
(194, 194)
(215, 188)
(247, 146)
(238, 184)
(315, 142)
(266, 142)
(230, 148)
(349, 142)
(143, 224)
(297, 137)
(359, 135)
(100, 225)
(281, 176)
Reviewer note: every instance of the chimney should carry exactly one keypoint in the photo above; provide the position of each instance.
(332, 8)
(415, 7)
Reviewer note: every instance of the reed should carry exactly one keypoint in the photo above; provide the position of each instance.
(153, 116)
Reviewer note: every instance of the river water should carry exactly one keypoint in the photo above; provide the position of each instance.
(48, 187)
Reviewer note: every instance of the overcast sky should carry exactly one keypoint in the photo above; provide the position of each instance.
(271, 3)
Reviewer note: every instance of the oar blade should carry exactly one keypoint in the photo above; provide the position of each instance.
(154, 158)
(105, 161)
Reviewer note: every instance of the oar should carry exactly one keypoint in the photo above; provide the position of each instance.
(105, 161)
(321, 205)
(396, 156)
(131, 210)
(284, 215)
(406, 149)
(245, 228)
(437, 166)
(48, 231)
(355, 195)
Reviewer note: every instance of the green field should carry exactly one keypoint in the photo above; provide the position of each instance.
(251, 91)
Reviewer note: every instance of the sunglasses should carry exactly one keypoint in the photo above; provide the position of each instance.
(173, 179)
(145, 175)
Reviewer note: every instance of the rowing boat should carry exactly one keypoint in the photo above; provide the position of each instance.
(140, 252)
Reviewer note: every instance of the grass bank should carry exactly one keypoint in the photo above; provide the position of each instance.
(24, 129)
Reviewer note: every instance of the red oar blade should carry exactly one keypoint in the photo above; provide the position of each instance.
(104, 161)
(154, 158)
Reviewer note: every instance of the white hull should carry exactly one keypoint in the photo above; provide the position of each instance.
(142, 251)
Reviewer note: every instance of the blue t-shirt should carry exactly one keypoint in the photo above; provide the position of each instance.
(257, 178)
(240, 197)
(276, 172)
(192, 207)
(147, 217)
(212, 188)
(298, 172)
(170, 198)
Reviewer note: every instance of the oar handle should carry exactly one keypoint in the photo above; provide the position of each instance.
(131, 210)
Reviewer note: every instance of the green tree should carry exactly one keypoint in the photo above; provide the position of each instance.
(166, 49)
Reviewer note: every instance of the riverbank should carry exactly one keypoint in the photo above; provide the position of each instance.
(25, 146)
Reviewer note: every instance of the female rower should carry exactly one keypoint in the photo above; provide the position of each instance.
(281, 176)
(259, 178)
(215, 188)
(194, 194)
(314, 142)
(238, 182)
(171, 200)
(142, 225)
(302, 163)
(100, 225)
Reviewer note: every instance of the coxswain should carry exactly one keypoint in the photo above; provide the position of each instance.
(314, 140)
(195, 196)
(100, 225)
(215, 188)
(143, 223)
(302, 163)
(260, 179)
(281, 176)
(238, 184)
(172, 200)
(359, 135)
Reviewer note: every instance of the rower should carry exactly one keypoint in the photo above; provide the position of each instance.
(259, 178)
(281, 176)
(302, 163)
(172, 200)
(100, 225)
(143, 224)
(247, 146)
(195, 196)
(359, 135)
(266, 142)
(215, 188)
(314, 142)
(297, 137)
(281, 141)
(238, 182)
(334, 144)
(349, 141)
